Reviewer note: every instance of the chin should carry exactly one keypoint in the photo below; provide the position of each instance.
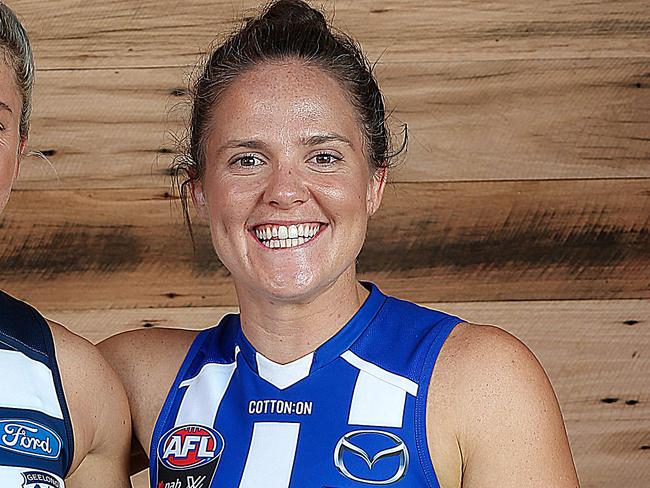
(297, 286)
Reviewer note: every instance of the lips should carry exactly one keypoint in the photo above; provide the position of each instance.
(275, 236)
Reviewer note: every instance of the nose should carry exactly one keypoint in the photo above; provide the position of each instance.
(285, 188)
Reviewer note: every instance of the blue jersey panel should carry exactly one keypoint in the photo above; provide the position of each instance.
(350, 414)
(36, 440)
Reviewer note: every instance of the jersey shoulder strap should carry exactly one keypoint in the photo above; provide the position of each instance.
(23, 328)
(403, 336)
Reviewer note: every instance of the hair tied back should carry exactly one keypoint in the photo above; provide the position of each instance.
(294, 12)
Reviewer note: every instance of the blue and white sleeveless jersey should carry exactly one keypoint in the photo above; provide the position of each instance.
(350, 414)
(36, 440)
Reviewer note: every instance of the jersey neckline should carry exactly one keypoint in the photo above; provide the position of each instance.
(285, 375)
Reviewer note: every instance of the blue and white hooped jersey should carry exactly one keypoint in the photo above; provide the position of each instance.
(36, 440)
(350, 414)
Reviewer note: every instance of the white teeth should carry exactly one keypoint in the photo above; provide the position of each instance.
(282, 236)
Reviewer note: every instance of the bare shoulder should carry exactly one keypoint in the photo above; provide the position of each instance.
(480, 365)
(488, 346)
(94, 395)
(147, 361)
(145, 357)
(492, 401)
(86, 375)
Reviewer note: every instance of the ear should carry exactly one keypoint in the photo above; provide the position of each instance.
(376, 190)
(198, 198)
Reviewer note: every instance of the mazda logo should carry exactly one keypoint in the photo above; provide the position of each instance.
(346, 444)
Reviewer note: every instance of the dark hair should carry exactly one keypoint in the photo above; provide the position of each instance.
(14, 44)
(285, 29)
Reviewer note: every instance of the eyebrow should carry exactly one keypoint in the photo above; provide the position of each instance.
(247, 143)
(314, 140)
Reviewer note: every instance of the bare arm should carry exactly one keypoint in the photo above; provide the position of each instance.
(99, 411)
(503, 415)
(147, 362)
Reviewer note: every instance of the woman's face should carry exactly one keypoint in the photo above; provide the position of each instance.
(10, 141)
(287, 188)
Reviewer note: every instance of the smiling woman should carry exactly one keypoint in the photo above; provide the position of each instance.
(320, 380)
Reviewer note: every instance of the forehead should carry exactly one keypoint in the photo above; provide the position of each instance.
(284, 96)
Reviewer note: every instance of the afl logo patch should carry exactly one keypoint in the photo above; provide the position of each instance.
(27, 437)
(189, 446)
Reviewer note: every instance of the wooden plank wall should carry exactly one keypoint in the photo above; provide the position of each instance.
(524, 200)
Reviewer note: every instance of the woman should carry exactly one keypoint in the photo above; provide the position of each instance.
(321, 381)
(63, 415)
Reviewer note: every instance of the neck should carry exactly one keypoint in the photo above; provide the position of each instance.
(284, 331)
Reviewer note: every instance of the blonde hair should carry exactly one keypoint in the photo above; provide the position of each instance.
(17, 51)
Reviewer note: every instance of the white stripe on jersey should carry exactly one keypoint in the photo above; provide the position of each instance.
(376, 402)
(270, 457)
(27, 384)
(12, 477)
(204, 394)
(405, 384)
(284, 375)
(379, 396)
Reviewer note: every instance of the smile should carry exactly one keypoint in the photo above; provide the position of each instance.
(285, 236)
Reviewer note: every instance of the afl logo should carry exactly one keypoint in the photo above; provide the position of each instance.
(189, 446)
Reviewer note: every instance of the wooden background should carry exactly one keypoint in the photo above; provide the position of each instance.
(524, 200)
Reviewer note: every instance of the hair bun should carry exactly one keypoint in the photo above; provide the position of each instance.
(294, 12)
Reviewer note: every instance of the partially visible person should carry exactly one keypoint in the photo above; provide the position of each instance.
(64, 418)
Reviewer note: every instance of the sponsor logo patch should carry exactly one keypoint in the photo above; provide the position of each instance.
(375, 457)
(39, 479)
(31, 438)
(189, 446)
(188, 457)
(191, 482)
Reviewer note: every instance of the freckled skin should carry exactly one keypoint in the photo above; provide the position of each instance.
(10, 141)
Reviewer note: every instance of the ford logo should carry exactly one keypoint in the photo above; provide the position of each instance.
(27, 437)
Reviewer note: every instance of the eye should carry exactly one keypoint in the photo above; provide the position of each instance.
(247, 161)
(324, 159)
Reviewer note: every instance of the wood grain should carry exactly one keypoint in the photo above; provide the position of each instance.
(114, 33)
(518, 240)
(524, 200)
(597, 354)
(492, 120)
